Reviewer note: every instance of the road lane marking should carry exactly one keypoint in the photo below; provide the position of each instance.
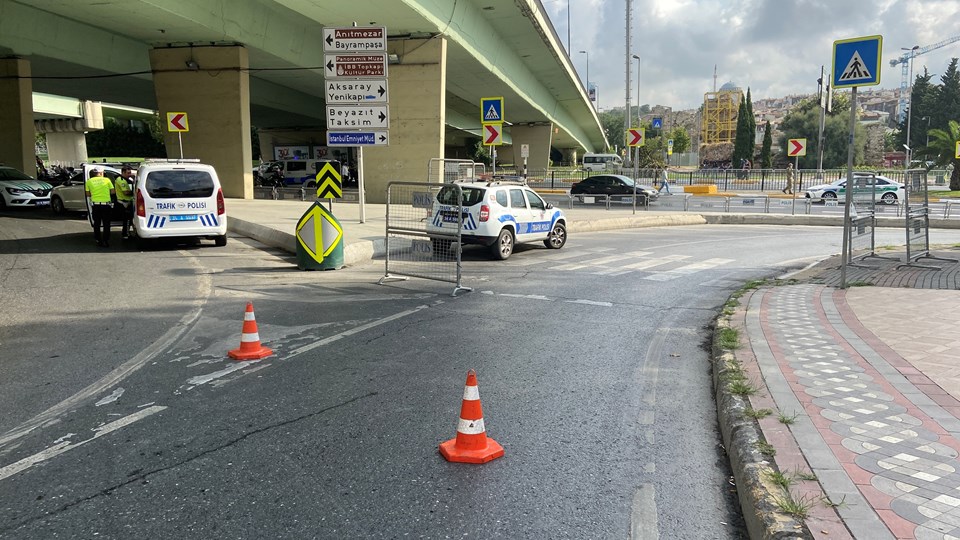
(235, 366)
(590, 303)
(65, 446)
(115, 395)
(126, 369)
(643, 514)
(326, 341)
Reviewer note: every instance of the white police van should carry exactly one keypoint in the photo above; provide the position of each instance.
(498, 215)
(179, 198)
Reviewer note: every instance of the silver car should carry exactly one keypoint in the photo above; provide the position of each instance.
(20, 190)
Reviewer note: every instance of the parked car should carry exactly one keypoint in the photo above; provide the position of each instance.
(614, 184)
(69, 196)
(179, 198)
(17, 189)
(497, 215)
(888, 191)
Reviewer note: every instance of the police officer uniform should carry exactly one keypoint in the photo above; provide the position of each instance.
(100, 190)
(124, 189)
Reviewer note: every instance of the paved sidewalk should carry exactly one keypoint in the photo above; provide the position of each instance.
(870, 377)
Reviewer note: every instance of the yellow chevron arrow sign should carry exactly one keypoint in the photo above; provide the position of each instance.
(329, 184)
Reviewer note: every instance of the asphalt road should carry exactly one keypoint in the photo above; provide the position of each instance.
(122, 418)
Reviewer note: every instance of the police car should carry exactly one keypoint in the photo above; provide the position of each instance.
(497, 215)
(179, 198)
(887, 191)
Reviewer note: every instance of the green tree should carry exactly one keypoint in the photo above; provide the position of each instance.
(681, 140)
(742, 139)
(803, 122)
(752, 124)
(612, 123)
(126, 140)
(766, 156)
(942, 151)
(923, 100)
(947, 101)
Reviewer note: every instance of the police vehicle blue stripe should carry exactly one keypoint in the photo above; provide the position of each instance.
(162, 221)
(214, 221)
(203, 221)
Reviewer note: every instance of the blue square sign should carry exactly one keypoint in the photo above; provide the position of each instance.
(491, 110)
(856, 62)
(657, 123)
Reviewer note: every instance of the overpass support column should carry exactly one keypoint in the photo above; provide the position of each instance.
(539, 137)
(418, 91)
(570, 156)
(17, 137)
(212, 86)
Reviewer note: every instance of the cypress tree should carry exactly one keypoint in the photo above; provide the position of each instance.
(766, 159)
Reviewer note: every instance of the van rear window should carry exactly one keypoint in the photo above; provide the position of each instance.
(178, 183)
(471, 195)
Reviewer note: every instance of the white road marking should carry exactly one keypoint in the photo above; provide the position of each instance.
(64, 438)
(127, 368)
(590, 303)
(325, 341)
(57, 449)
(527, 296)
(650, 263)
(115, 395)
(643, 514)
(601, 261)
(235, 366)
(688, 269)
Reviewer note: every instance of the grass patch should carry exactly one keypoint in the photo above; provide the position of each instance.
(827, 502)
(729, 339)
(742, 387)
(780, 479)
(757, 414)
(804, 475)
(787, 420)
(859, 284)
(766, 449)
(798, 508)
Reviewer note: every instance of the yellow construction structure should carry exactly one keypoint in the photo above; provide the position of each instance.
(720, 109)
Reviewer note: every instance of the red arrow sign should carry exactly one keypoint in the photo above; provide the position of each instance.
(796, 147)
(636, 137)
(493, 134)
(177, 121)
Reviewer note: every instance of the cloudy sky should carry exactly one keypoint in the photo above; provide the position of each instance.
(775, 47)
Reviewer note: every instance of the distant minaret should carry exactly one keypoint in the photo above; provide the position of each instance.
(714, 77)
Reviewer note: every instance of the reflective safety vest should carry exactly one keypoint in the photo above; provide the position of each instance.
(99, 188)
(123, 185)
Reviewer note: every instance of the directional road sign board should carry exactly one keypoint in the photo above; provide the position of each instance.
(669, 147)
(796, 147)
(957, 154)
(358, 116)
(493, 134)
(355, 39)
(378, 137)
(856, 61)
(177, 121)
(356, 91)
(636, 137)
(329, 182)
(491, 111)
(355, 65)
(657, 123)
(318, 232)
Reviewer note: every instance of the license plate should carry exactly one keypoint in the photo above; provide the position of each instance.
(450, 218)
(184, 217)
(42, 203)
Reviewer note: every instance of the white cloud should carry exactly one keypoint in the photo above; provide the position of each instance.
(775, 47)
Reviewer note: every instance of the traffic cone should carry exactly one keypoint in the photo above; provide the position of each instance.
(250, 347)
(471, 445)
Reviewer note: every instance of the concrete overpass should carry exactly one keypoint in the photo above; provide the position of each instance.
(233, 64)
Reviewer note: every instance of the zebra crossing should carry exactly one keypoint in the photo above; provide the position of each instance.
(606, 262)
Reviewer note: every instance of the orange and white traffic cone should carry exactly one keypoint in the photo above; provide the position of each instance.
(471, 445)
(250, 347)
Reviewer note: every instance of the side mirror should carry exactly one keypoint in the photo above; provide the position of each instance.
(549, 206)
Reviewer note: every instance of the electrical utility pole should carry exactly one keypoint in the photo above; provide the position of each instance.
(628, 61)
(822, 91)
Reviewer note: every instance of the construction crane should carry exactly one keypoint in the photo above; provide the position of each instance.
(905, 59)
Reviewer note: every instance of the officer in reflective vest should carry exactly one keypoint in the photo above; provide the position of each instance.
(100, 191)
(124, 187)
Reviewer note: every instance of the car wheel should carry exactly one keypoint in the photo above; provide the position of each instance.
(557, 237)
(57, 205)
(3, 202)
(503, 247)
(220, 240)
(311, 184)
(143, 244)
(889, 198)
(829, 195)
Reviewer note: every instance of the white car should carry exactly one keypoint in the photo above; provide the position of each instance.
(70, 197)
(888, 191)
(20, 190)
(497, 215)
(178, 198)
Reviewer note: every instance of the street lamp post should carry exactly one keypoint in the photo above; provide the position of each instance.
(927, 118)
(913, 54)
(636, 159)
(588, 73)
(568, 29)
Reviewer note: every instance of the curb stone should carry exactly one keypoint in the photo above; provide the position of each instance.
(750, 467)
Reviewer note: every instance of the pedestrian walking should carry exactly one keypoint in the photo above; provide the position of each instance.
(789, 189)
(664, 183)
(124, 187)
(101, 192)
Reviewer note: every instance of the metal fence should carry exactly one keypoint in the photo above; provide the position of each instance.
(454, 170)
(416, 243)
(917, 221)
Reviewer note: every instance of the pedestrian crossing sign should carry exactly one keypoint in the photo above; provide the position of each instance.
(856, 62)
(491, 110)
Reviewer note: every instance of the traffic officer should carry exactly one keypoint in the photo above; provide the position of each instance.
(101, 193)
(124, 187)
